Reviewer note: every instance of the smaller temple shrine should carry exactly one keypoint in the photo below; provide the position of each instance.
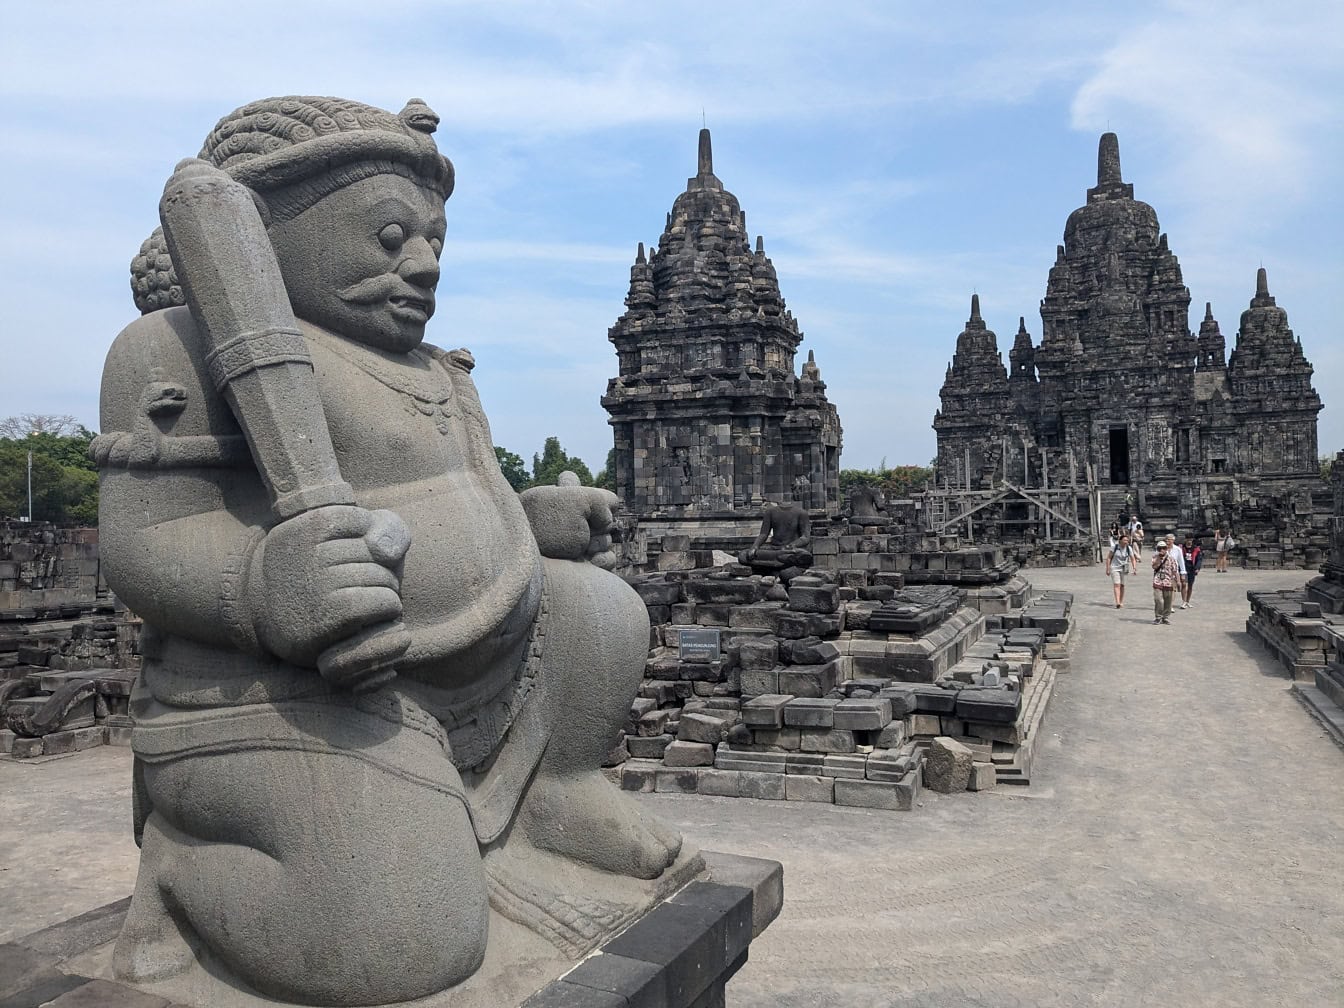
(711, 420)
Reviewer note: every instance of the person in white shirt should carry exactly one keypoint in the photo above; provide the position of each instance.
(1178, 555)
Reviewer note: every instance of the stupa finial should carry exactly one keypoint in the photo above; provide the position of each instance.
(975, 308)
(705, 161)
(1108, 161)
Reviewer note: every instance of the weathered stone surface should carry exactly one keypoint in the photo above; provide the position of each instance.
(873, 794)
(820, 599)
(863, 715)
(285, 360)
(808, 651)
(758, 655)
(995, 705)
(705, 324)
(983, 777)
(696, 726)
(688, 754)
(766, 711)
(800, 787)
(1119, 380)
(808, 680)
(947, 766)
(826, 740)
(810, 712)
(766, 786)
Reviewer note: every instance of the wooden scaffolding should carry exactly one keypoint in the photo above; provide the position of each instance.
(1015, 511)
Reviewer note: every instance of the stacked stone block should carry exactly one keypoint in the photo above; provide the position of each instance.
(46, 569)
(68, 652)
(828, 690)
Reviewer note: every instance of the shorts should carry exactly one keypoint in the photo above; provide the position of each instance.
(1118, 575)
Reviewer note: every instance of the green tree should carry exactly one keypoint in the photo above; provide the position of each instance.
(514, 469)
(65, 481)
(553, 460)
(895, 483)
(607, 477)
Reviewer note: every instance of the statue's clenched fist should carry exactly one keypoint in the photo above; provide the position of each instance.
(572, 522)
(325, 590)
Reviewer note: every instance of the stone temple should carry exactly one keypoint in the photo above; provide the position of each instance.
(1174, 426)
(710, 418)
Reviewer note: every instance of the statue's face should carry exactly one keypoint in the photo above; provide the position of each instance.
(364, 261)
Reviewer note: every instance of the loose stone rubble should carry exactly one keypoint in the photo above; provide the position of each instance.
(833, 687)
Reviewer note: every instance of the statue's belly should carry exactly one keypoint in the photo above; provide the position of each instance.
(470, 581)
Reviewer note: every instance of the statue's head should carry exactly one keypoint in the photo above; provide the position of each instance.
(352, 197)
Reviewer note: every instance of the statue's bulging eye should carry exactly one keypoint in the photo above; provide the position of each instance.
(437, 245)
(392, 237)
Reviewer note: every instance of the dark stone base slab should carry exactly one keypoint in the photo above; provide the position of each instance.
(680, 954)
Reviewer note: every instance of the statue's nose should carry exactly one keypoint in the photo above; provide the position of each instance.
(419, 265)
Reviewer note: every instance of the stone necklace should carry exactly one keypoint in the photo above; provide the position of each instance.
(424, 386)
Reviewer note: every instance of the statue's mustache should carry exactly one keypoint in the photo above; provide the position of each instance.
(380, 289)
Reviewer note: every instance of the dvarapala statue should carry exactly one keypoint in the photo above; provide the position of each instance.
(378, 685)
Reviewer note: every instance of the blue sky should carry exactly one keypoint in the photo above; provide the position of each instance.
(896, 157)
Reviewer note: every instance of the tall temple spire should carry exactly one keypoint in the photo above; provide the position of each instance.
(705, 161)
(975, 308)
(1211, 346)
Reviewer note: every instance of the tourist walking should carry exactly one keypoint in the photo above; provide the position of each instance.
(1117, 567)
(1169, 545)
(1194, 559)
(1222, 545)
(1135, 529)
(1166, 576)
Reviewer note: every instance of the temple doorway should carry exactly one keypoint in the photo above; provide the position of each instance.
(1119, 455)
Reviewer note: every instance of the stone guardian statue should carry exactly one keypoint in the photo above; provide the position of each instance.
(378, 685)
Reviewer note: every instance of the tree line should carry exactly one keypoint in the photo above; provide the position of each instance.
(895, 482)
(549, 464)
(64, 478)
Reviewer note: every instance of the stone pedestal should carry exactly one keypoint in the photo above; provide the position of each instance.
(680, 954)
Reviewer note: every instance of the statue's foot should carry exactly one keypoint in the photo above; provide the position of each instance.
(152, 944)
(584, 817)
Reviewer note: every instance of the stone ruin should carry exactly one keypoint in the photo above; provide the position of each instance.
(710, 419)
(841, 683)
(1172, 426)
(69, 651)
(1303, 628)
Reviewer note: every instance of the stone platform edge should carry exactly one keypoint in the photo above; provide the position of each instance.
(680, 954)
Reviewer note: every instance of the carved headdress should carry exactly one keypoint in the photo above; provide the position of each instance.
(296, 150)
